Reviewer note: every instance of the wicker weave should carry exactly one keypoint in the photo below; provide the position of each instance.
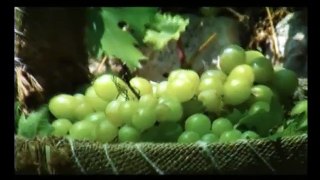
(65, 156)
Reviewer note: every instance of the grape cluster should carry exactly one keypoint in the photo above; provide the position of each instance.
(185, 108)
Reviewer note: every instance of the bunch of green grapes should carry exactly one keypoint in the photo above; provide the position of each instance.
(185, 108)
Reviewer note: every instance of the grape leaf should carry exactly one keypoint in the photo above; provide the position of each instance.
(165, 28)
(37, 123)
(114, 41)
(262, 121)
(104, 36)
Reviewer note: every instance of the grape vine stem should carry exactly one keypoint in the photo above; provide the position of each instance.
(273, 35)
(200, 50)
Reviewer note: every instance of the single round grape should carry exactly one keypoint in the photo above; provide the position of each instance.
(141, 85)
(182, 89)
(128, 134)
(198, 123)
(112, 113)
(83, 130)
(184, 74)
(210, 138)
(148, 100)
(285, 82)
(211, 84)
(127, 110)
(214, 73)
(211, 100)
(105, 87)
(244, 71)
(250, 135)
(251, 55)
(261, 93)
(220, 126)
(144, 118)
(259, 106)
(169, 109)
(61, 127)
(188, 137)
(236, 91)
(231, 56)
(106, 132)
(95, 102)
(263, 70)
(96, 117)
(63, 106)
(230, 136)
(83, 110)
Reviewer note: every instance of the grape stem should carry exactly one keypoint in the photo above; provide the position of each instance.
(101, 64)
(126, 75)
(181, 53)
(200, 50)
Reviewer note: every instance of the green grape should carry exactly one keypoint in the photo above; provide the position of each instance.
(161, 89)
(250, 135)
(144, 118)
(211, 100)
(261, 93)
(182, 89)
(192, 107)
(251, 55)
(285, 82)
(243, 71)
(105, 87)
(83, 110)
(148, 100)
(141, 85)
(61, 127)
(210, 138)
(188, 137)
(198, 123)
(220, 126)
(214, 73)
(259, 106)
(231, 56)
(95, 102)
(127, 109)
(83, 130)
(169, 131)
(211, 84)
(183, 79)
(128, 134)
(112, 113)
(96, 117)
(236, 91)
(184, 74)
(106, 132)
(262, 69)
(63, 106)
(169, 109)
(230, 136)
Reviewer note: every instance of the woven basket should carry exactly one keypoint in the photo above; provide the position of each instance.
(52, 155)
